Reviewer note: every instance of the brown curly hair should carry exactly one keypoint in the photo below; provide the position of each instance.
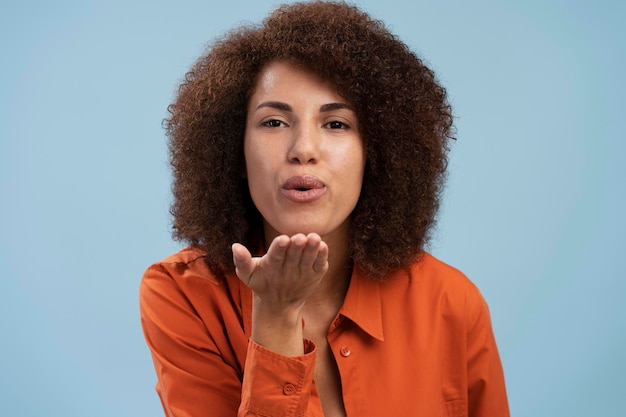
(404, 118)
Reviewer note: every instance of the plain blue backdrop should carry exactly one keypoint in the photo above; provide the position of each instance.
(533, 211)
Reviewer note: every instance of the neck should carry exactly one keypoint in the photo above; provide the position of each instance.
(333, 288)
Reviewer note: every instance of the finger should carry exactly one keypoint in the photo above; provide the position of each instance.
(294, 252)
(309, 253)
(275, 256)
(244, 265)
(321, 261)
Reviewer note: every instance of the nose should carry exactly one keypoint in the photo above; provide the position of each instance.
(305, 145)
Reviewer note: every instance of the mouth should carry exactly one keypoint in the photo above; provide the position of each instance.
(303, 188)
(303, 183)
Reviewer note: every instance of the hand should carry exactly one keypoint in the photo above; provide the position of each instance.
(281, 281)
(287, 274)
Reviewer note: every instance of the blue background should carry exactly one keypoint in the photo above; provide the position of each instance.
(533, 211)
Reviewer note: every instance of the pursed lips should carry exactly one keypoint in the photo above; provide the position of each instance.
(303, 188)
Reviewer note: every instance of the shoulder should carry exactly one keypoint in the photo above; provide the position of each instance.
(183, 282)
(458, 294)
(431, 285)
(183, 276)
(428, 272)
(184, 265)
(187, 255)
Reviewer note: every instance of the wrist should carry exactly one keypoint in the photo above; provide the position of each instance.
(278, 328)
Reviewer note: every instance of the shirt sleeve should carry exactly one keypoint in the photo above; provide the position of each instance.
(277, 385)
(486, 387)
(198, 377)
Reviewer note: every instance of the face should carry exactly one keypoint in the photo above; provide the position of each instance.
(304, 155)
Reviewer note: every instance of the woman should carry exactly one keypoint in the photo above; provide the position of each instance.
(317, 141)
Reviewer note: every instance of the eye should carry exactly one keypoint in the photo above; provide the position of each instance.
(273, 123)
(335, 124)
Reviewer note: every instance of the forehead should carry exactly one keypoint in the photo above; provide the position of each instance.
(290, 81)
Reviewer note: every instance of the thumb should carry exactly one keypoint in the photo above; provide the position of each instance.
(244, 265)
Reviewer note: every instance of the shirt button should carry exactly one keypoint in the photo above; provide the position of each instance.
(345, 351)
(289, 389)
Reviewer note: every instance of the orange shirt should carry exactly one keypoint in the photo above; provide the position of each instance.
(419, 344)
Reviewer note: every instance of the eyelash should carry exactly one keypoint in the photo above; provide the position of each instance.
(273, 123)
(342, 125)
(279, 123)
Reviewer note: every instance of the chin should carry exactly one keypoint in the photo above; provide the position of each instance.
(293, 229)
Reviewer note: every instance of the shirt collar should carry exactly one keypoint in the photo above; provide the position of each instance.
(362, 304)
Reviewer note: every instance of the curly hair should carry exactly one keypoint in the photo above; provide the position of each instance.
(404, 117)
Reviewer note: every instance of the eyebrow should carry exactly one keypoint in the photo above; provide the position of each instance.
(275, 105)
(279, 105)
(334, 106)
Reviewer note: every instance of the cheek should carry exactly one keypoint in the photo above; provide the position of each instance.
(258, 159)
(352, 160)
(251, 156)
(259, 163)
(358, 167)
